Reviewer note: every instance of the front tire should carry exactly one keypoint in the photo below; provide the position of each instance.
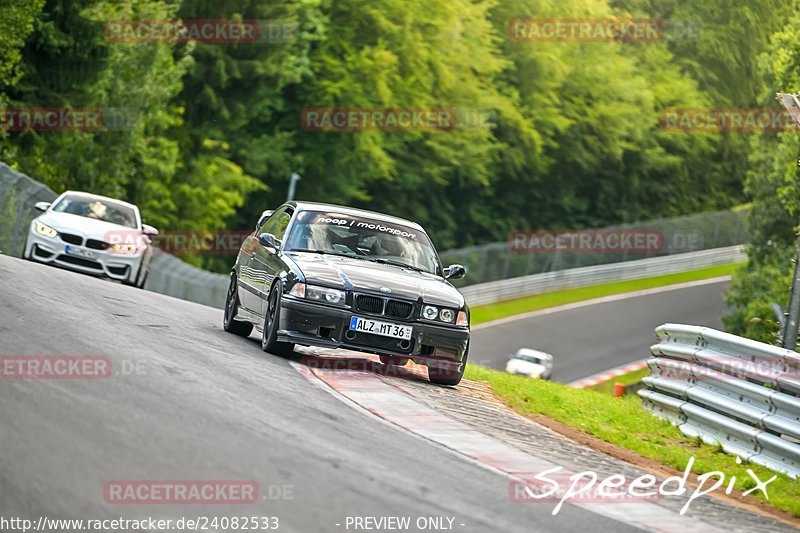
(269, 333)
(229, 323)
(450, 374)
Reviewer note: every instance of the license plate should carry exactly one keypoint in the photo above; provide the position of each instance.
(71, 250)
(380, 328)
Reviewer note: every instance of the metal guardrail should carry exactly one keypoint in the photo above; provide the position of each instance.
(689, 233)
(495, 291)
(729, 390)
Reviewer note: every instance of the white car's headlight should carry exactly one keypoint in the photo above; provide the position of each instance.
(44, 229)
(319, 294)
(125, 248)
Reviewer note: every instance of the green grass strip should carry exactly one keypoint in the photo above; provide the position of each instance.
(624, 422)
(485, 313)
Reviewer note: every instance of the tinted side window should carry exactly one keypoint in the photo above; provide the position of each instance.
(281, 223)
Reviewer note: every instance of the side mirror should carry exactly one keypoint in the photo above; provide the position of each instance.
(149, 230)
(42, 206)
(268, 240)
(264, 216)
(455, 272)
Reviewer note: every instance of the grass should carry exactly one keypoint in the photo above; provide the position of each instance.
(485, 313)
(624, 422)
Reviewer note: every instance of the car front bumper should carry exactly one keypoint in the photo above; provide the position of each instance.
(53, 251)
(312, 324)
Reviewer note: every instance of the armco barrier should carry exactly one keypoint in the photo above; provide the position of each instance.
(728, 390)
(495, 291)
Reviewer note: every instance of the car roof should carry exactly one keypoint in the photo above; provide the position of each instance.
(99, 197)
(352, 211)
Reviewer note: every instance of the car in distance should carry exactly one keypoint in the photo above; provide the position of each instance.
(331, 276)
(76, 232)
(531, 363)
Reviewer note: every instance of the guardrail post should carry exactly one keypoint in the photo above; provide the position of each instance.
(790, 332)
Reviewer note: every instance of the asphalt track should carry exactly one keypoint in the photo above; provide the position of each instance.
(187, 401)
(589, 339)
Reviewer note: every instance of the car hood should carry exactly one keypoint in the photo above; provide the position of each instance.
(368, 276)
(525, 367)
(88, 227)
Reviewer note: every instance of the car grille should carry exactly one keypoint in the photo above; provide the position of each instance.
(369, 304)
(375, 305)
(398, 309)
(97, 245)
(70, 238)
(80, 261)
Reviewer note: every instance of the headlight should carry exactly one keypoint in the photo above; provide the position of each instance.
(319, 294)
(462, 319)
(447, 315)
(534, 375)
(43, 229)
(125, 248)
(430, 312)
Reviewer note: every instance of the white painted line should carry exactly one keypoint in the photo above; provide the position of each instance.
(388, 402)
(608, 374)
(602, 300)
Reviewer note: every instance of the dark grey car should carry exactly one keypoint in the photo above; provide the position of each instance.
(326, 275)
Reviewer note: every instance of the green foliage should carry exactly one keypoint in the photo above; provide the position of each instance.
(773, 182)
(575, 142)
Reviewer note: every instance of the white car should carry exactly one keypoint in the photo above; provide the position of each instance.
(531, 363)
(94, 235)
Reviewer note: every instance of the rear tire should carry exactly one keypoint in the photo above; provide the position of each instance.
(450, 374)
(269, 333)
(229, 324)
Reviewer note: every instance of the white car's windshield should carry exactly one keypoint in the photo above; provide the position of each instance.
(99, 209)
(382, 242)
(529, 359)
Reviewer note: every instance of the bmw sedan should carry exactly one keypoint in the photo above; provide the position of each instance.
(94, 235)
(324, 275)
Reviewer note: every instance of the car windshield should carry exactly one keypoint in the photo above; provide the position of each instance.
(364, 238)
(529, 359)
(97, 208)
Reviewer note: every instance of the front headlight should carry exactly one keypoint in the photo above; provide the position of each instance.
(318, 294)
(430, 312)
(125, 248)
(447, 315)
(534, 375)
(462, 319)
(44, 229)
